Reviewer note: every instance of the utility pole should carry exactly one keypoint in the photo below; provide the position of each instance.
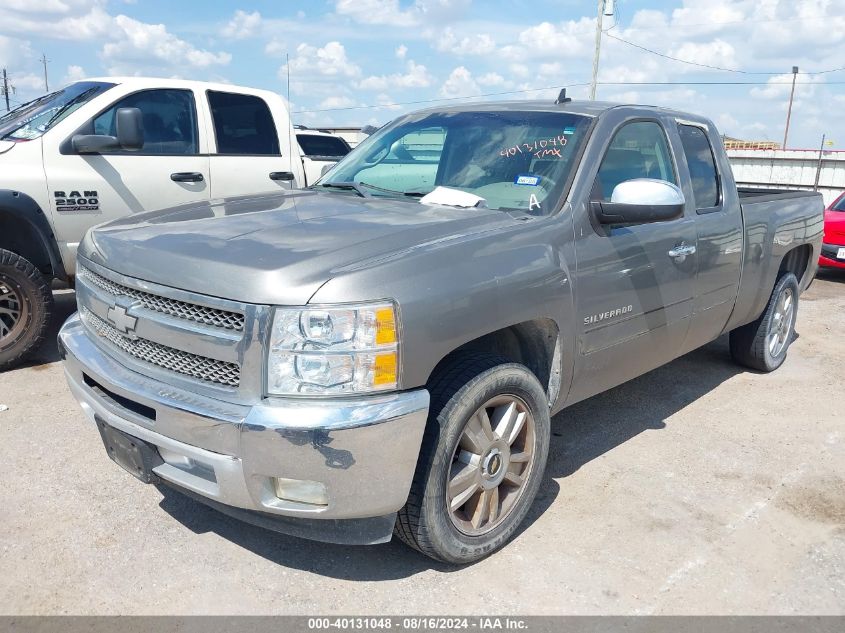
(819, 166)
(6, 89)
(44, 61)
(598, 50)
(789, 111)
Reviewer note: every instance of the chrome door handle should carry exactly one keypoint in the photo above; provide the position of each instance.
(681, 252)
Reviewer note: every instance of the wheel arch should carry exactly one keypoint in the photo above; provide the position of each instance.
(536, 344)
(25, 230)
(797, 262)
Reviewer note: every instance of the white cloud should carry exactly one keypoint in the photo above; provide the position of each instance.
(242, 25)
(401, 51)
(328, 61)
(335, 102)
(390, 12)
(146, 47)
(459, 84)
(13, 51)
(716, 53)
(74, 73)
(275, 48)
(377, 12)
(492, 79)
(57, 19)
(446, 41)
(417, 76)
(131, 46)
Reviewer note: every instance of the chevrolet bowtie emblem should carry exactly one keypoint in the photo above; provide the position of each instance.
(122, 321)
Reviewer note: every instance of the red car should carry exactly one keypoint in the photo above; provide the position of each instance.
(833, 246)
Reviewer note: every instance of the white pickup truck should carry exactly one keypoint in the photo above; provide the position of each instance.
(103, 148)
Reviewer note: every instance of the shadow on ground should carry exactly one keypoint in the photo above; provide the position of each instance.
(579, 434)
(832, 274)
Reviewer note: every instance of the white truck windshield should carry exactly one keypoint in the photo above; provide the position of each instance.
(32, 119)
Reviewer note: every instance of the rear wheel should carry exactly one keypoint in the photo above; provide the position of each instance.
(763, 344)
(25, 306)
(482, 460)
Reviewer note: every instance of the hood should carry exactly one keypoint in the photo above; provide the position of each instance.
(279, 248)
(834, 227)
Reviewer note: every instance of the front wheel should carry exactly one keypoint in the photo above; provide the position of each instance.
(482, 460)
(762, 344)
(25, 305)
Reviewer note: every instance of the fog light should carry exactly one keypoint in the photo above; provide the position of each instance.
(301, 491)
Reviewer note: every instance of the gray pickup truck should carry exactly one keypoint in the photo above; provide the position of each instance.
(381, 354)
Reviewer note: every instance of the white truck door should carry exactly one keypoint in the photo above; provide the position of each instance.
(252, 142)
(171, 169)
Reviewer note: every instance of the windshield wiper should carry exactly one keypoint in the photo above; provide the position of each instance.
(349, 185)
(67, 105)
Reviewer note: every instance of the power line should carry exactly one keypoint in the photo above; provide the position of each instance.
(730, 70)
(576, 85)
(403, 103)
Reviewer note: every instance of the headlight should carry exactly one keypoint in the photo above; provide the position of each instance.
(345, 349)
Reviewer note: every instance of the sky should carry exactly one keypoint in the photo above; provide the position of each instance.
(359, 62)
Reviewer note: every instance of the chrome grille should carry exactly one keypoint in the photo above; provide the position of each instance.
(180, 309)
(199, 367)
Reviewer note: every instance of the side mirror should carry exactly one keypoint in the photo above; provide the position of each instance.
(130, 129)
(641, 201)
(130, 135)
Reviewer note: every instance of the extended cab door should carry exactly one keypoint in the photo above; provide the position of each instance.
(711, 197)
(633, 284)
(171, 169)
(251, 146)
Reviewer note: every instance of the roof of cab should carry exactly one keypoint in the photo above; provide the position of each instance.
(584, 108)
(154, 82)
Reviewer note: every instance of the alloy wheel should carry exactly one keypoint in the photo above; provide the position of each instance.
(780, 327)
(491, 465)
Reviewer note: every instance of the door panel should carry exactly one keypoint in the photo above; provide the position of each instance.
(92, 188)
(719, 228)
(633, 299)
(247, 146)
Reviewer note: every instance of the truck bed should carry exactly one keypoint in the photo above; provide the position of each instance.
(774, 222)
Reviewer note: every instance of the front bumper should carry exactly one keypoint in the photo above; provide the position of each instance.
(364, 449)
(828, 257)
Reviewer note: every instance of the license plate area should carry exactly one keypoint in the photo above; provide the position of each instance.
(841, 253)
(135, 456)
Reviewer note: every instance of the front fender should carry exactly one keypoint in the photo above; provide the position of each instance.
(454, 292)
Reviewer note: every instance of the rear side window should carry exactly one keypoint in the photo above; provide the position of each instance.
(242, 124)
(169, 119)
(702, 166)
(317, 145)
(638, 150)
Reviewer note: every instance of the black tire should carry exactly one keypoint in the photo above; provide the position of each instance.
(457, 393)
(750, 344)
(26, 303)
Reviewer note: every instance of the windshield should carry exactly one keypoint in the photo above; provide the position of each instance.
(513, 160)
(32, 119)
(840, 204)
(316, 145)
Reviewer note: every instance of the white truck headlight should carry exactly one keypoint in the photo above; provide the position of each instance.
(333, 350)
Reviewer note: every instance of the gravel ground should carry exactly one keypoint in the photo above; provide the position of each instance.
(698, 488)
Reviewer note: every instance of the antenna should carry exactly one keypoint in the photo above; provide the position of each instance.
(562, 98)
